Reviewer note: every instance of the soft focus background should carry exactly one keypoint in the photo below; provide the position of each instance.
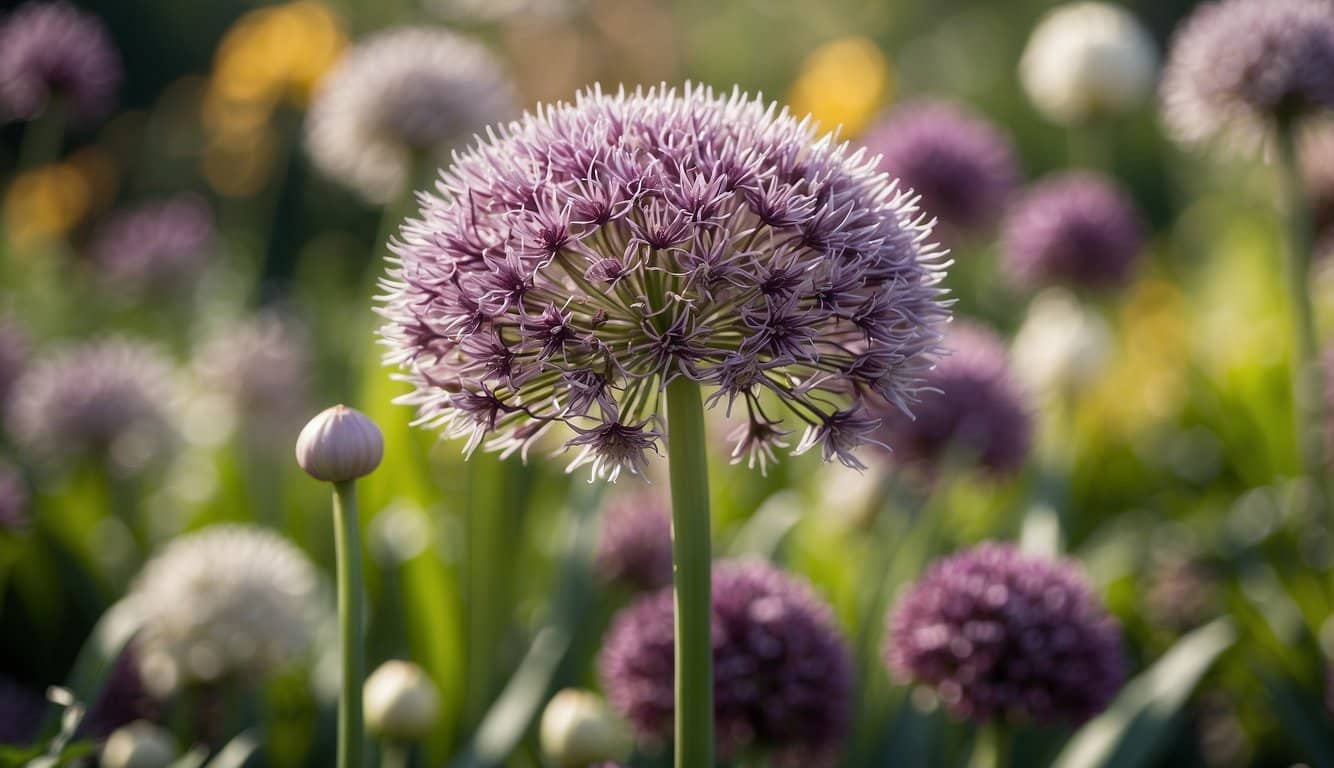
(1160, 457)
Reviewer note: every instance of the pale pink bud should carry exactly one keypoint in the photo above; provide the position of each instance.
(340, 444)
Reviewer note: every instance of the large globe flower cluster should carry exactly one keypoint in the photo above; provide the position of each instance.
(575, 262)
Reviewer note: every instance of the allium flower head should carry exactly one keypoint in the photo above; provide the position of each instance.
(227, 601)
(782, 676)
(401, 93)
(110, 399)
(1236, 66)
(1086, 60)
(259, 366)
(963, 166)
(14, 348)
(1074, 228)
(636, 545)
(580, 258)
(159, 246)
(14, 499)
(1001, 635)
(977, 413)
(53, 51)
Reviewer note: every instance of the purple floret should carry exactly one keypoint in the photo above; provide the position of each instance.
(55, 52)
(1001, 635)
(574, 262)
(782, 675)
(1077, 229)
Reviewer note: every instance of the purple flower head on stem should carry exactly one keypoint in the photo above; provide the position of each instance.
(1236, 66)
(576, 261)
(636, 546)
(109, 400)
(160, 246)
(782, 674)
(1001, 635)
(1074, 228)
(963, 166)
(976, 412)
(55, 52)
(402, 93)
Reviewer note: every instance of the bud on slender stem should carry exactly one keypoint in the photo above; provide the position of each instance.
(340, 444)
(402, 702)
(578, 729)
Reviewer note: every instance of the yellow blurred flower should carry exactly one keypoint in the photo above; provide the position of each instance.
(47, 202)
(843, 82)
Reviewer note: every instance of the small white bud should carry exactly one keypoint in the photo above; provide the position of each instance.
(402, 703)
(140, 744)
(340, 444)
(578, 729)
(1086, 60)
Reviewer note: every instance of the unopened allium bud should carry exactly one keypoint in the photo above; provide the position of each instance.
(1236, 66)
(1086, 60)
(139, 745)
(575, 262)
(340, 444)
(578, 730)
(402, 702)
(50, 51)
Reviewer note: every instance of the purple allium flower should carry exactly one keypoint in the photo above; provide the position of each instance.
(403, 93)
(636, 546)
(14, 349)
(579, 259)
(53, 51)
(109, 400)
(259, 367)
(978, 413)
(963, 166)
(1236, 66)
(13, 499)
(159, 246)
(1003, 635)
(21, 713)
(1074, 228)
(782, 676)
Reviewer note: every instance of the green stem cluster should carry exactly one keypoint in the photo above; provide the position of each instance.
(691, 555)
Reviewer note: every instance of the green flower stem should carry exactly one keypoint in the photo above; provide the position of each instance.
(992, 747)
(1308, 375)
(691, 555)
(347, 549)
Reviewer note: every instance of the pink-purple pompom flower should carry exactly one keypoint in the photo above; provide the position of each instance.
(53, 52)
(782, 674)
(1005, 636)
(159, 246)
(577, 260)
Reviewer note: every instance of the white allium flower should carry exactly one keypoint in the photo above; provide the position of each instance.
(227, 601)
(1088, 59)
(402, 93)
(1062, 346)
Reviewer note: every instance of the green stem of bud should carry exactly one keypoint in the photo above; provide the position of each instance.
(347, 549)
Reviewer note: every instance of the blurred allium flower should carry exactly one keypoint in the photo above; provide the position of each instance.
(20, 713)
(1003, 635)
(979, 415)
(399, 94)
(636, 546)
(503, 10)
(1086, 60)
(13, 499)
(110, 399)
(584, 256)
(782, 676)
(53, 51)
(963, 166)
(1062, 347)
(1182, 594)
(227, 601)
(259, 366)
(1235, 66)
(1074, 228)
(14, 349)
(161, 245)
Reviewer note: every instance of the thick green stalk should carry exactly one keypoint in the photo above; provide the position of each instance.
(347, 550)
(1308, 376)
(691, 554)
